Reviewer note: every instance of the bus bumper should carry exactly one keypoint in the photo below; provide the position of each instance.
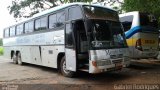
(106, 68)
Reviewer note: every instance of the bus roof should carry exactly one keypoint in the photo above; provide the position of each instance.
(128, 13)
(56, 9)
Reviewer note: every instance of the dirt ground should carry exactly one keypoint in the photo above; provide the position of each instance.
(141, 75)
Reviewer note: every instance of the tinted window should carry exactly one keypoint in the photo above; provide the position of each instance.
(19, 29)
(148, 20)
(28, 27)
(127, 22)
(12, 31)
(95, 12)
(6, 33)
(60, 19)
(69, 39)
(41, 24)
(52, 21)
(73, 15)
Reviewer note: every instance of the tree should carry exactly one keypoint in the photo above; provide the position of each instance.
(19, 8)
(27, 8)
(1, 42)
(151, 6)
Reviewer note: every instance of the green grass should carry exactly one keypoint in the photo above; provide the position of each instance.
(1, 50)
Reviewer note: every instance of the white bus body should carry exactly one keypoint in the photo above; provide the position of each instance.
(141, 34)
(69, 45)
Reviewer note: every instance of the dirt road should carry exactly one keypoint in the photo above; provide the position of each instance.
(146, 72)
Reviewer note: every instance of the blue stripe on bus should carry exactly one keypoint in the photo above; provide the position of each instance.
(132, 31)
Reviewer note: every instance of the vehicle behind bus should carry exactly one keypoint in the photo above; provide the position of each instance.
(141, 31)
(91, 40)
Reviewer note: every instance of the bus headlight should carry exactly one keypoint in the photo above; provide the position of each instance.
(103, 62)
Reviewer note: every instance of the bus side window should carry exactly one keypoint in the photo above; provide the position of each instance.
(69, 36)
(73, 15)
(60, 19)
(6, 32)
(28, 26)
(41, 24)
(12, 31)
(52, 21)
(19, 29)
(127, 22)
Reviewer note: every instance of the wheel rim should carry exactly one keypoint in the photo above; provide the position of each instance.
(19, 59)
(14, 58)
(64, 68)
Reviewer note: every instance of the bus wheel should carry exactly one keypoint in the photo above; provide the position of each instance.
(19, 59)
(15, 59)
(64, 71)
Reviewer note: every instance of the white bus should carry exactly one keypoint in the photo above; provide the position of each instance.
(70, 37)
(141, 31)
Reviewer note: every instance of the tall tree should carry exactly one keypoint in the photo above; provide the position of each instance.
(151, 6)
(27, 8)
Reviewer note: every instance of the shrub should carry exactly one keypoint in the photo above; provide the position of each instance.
(1, 50)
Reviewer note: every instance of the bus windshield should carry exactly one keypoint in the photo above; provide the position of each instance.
(94, 12)
(106, 30)
(107, 34)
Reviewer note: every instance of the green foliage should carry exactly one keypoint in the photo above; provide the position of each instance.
(1, 50)
(19, 7)
(151, 6)
(1, 42)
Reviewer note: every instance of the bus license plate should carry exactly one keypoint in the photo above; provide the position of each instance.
(118, 65)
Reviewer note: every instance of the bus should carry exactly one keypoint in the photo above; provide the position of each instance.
(72, 37)
(141, 31)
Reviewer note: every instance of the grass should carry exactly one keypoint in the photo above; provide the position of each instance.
(1, 50)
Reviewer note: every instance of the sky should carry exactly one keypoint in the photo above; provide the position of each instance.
(5, 18)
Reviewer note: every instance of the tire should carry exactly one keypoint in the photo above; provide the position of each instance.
(66, 73)
(15, 59)
(19, 59)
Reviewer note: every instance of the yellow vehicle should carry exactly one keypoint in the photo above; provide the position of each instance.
(141, 31)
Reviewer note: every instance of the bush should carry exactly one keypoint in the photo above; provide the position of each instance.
(1, 50)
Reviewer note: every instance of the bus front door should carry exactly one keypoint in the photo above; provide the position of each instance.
(70, 48)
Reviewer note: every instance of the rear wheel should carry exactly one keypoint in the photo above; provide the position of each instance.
(19, 59)
(14, 58)
(64, 71)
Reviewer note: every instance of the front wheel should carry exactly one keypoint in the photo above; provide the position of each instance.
(64, 71)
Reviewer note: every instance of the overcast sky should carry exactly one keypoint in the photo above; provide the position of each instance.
(5, 18)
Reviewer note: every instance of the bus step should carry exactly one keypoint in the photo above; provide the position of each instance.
(85, 66)
(85, 70)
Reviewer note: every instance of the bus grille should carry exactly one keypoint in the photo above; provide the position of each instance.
(116, 56)
(117, 61)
